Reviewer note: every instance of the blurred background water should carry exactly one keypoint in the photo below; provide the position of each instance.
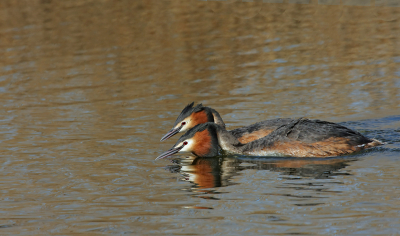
(88, 88)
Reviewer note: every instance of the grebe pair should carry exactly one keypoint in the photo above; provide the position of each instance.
(206, 135)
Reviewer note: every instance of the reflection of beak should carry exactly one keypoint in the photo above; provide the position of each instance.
(170, 152)
(171, 133)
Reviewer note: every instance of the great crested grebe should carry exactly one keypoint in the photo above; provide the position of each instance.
(192, 116)
(298, 138)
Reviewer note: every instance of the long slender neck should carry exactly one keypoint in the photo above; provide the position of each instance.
(230, 143)
(217, 118)
(227, 141)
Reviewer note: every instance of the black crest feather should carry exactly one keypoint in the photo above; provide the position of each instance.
(187, 111)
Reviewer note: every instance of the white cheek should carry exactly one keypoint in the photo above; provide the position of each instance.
(185, 127)
(187, 147)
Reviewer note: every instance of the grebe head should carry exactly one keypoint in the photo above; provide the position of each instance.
(201, 140)
(189, 117)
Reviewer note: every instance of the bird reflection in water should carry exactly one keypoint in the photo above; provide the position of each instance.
(205, 173)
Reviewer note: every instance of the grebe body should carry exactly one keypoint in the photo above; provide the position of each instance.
(297, 138)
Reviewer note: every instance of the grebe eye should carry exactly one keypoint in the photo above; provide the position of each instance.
(185, 143)
(183, 123)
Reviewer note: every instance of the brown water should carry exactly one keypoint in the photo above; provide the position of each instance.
(88, 88)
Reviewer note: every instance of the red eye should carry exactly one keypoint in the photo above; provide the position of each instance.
(185, 143)
(183, 123)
